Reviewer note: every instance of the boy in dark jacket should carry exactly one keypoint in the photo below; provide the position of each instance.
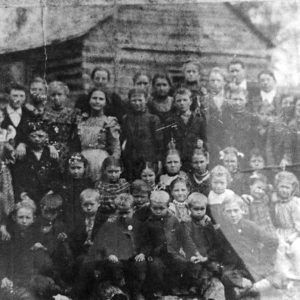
(161, 241)
(247, 253)
(141, 140)
(205, 266)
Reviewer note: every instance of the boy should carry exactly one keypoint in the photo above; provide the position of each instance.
(240, 125)
(141, 140)
(205, 259)
(37, 173)
(114, 248)
(81, 235)
(161, 240)
(190, 127)
(247, 252)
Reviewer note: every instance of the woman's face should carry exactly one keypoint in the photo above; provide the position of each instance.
(161, 87)
(58, 97)
(97, 101)
(173, 164)
(143, 82)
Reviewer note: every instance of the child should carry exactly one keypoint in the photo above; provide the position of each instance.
(148, 174)
(114, 249)
(141, 139)
(74, 183)
(81, 236)
(247, 252)
(173, 168)
(220, 180)
(231, 158)
(179, 190)
(23, 256)
(200, 176)
(189, 127)
(142, 80)
(259, 204)
(161, 103)
(205, 259)
(286, 209)
(42, 171)
(160, 243)
(140, 191)
(110, 186)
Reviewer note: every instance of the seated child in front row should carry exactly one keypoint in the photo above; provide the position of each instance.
(247, 252)
(205, 267)
(161, 241)
(220, 180)
(23, 256)
(114, 250)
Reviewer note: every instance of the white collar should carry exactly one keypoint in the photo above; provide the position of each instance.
(10, 110)
(268, 96)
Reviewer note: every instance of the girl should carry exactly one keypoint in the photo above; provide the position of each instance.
(148, 175)
(286, 209)
(61, 121)
(161, 103)
(180, 189)
(111, 184)
(98, 135)
(142, 80)
(230, 157)
(200, 176)
(173, 168)
(220, 180)
(75, 181)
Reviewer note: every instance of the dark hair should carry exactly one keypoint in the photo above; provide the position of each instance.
(100, 69)
(236, 61)
(38, 79)
(52, 201)
(266, 72)
(138, 74)
(182, 91)
(137, 91)
(108, 162)
(94, 90)
(18, 87)
(161, 76)
(180, 179)
(77, 157)
(255, 152)
(148, 165)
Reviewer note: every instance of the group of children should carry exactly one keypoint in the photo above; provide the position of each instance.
(173, 192)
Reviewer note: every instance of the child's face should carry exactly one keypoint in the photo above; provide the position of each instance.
(148, 176)
(287, 104)
(233, 212)
(143, 82)
(58, 97)
(198, 210)
(16, 98)
(24, 217)
(140, 199)
(267, 83)
(216, 82)
(138, 102)
(285, 189)
(183, 102)
(159, 208)
(180, 192)
(113, 173)
(97, 101)
(173, 164)
(76, 169)
(237, 102)
(265, 116)
(257, 162)
(258, 190)
(199, 163)
(90, 206)
(230, 162)
(38, 139)
(219, 184)
(162, 87)
(191, 73)
(100, 78)
(48, 213)
(37, 89)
